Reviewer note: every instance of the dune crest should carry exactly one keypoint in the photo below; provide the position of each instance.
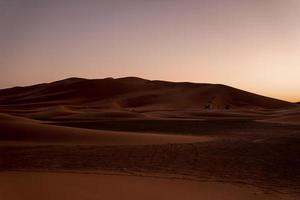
(136, 93)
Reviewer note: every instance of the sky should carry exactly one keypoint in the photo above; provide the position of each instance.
(253, 45)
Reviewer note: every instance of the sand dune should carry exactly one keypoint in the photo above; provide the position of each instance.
(18, 129)
(136, 93)
(135, 98)
(285, 117)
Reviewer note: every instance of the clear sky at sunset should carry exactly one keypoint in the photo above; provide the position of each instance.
(249, 44)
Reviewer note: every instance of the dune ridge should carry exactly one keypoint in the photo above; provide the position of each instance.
(136, 93)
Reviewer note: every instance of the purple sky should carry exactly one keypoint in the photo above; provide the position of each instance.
(250, 44)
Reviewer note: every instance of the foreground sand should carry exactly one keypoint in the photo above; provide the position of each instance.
(59, 186)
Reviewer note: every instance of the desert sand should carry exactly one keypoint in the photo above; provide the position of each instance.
(48, 186)
(16, 130)
(157, 139)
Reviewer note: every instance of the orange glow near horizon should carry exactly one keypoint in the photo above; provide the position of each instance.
(253, 45)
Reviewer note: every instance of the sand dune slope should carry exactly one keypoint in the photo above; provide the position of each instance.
(291, 117)
(136, 93)
(18, 129)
